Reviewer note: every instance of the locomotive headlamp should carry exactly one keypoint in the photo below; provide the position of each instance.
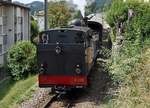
(58, 50)
(78, 70)
(78, 66)
(42, 70)
(42, 65)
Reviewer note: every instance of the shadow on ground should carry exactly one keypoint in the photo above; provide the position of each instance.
(100, 84)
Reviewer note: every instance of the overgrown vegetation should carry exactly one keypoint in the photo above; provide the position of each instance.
(22, 60)
(34, 30)
(131, 68)
(13, 92)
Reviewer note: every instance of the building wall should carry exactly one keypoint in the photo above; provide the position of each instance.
(10, 26)
(3, 32)
(15, 27)
(26, 23)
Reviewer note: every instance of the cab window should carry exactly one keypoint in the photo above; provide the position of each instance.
(62, 36)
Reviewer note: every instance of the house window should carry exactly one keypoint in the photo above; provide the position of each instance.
(0, 48)
(15, 38)
(1, 29)
(1, 20)
(5, 20)
(1, 9)
(19, 20)
(21, 36)
(5, 39)
(18, 37)
(15, 20)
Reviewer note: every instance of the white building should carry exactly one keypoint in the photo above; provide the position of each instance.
(14, 25)
(39, 16)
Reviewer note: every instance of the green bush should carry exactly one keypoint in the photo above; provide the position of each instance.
(22, 59)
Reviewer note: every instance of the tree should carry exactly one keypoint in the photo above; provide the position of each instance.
(58, 14)
(34, 29)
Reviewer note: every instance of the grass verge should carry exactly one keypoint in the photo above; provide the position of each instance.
(5, 86)
(135, 91)
(12, 92)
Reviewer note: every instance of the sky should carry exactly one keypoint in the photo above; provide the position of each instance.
(80, 3)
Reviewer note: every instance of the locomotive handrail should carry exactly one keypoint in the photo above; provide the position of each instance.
(61, 44)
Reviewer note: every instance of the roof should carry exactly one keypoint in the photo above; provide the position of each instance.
(76, 28)
(13, 4)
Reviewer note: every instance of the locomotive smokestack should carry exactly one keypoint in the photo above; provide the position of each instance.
(45, 11)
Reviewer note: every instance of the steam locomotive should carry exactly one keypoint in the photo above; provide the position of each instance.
(66, 55)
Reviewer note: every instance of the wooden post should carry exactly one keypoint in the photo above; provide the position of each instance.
(45, 16)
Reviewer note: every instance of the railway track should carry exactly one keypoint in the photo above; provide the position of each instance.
(49, 102)
(66, 99)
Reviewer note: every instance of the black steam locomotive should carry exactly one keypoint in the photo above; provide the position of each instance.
(67, 54)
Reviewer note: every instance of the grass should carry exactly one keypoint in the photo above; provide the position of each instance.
(5, 86)
(12, 93)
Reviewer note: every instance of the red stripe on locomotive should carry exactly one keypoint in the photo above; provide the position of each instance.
(63, 80)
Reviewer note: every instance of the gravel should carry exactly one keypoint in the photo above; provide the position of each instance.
(38, 98)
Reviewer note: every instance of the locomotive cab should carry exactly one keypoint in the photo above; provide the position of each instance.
(66, 56)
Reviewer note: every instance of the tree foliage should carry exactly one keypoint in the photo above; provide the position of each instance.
(34, 29)
(117, 11)
(58, 14)
(135, 29)
(22, 59)
(96, 6)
